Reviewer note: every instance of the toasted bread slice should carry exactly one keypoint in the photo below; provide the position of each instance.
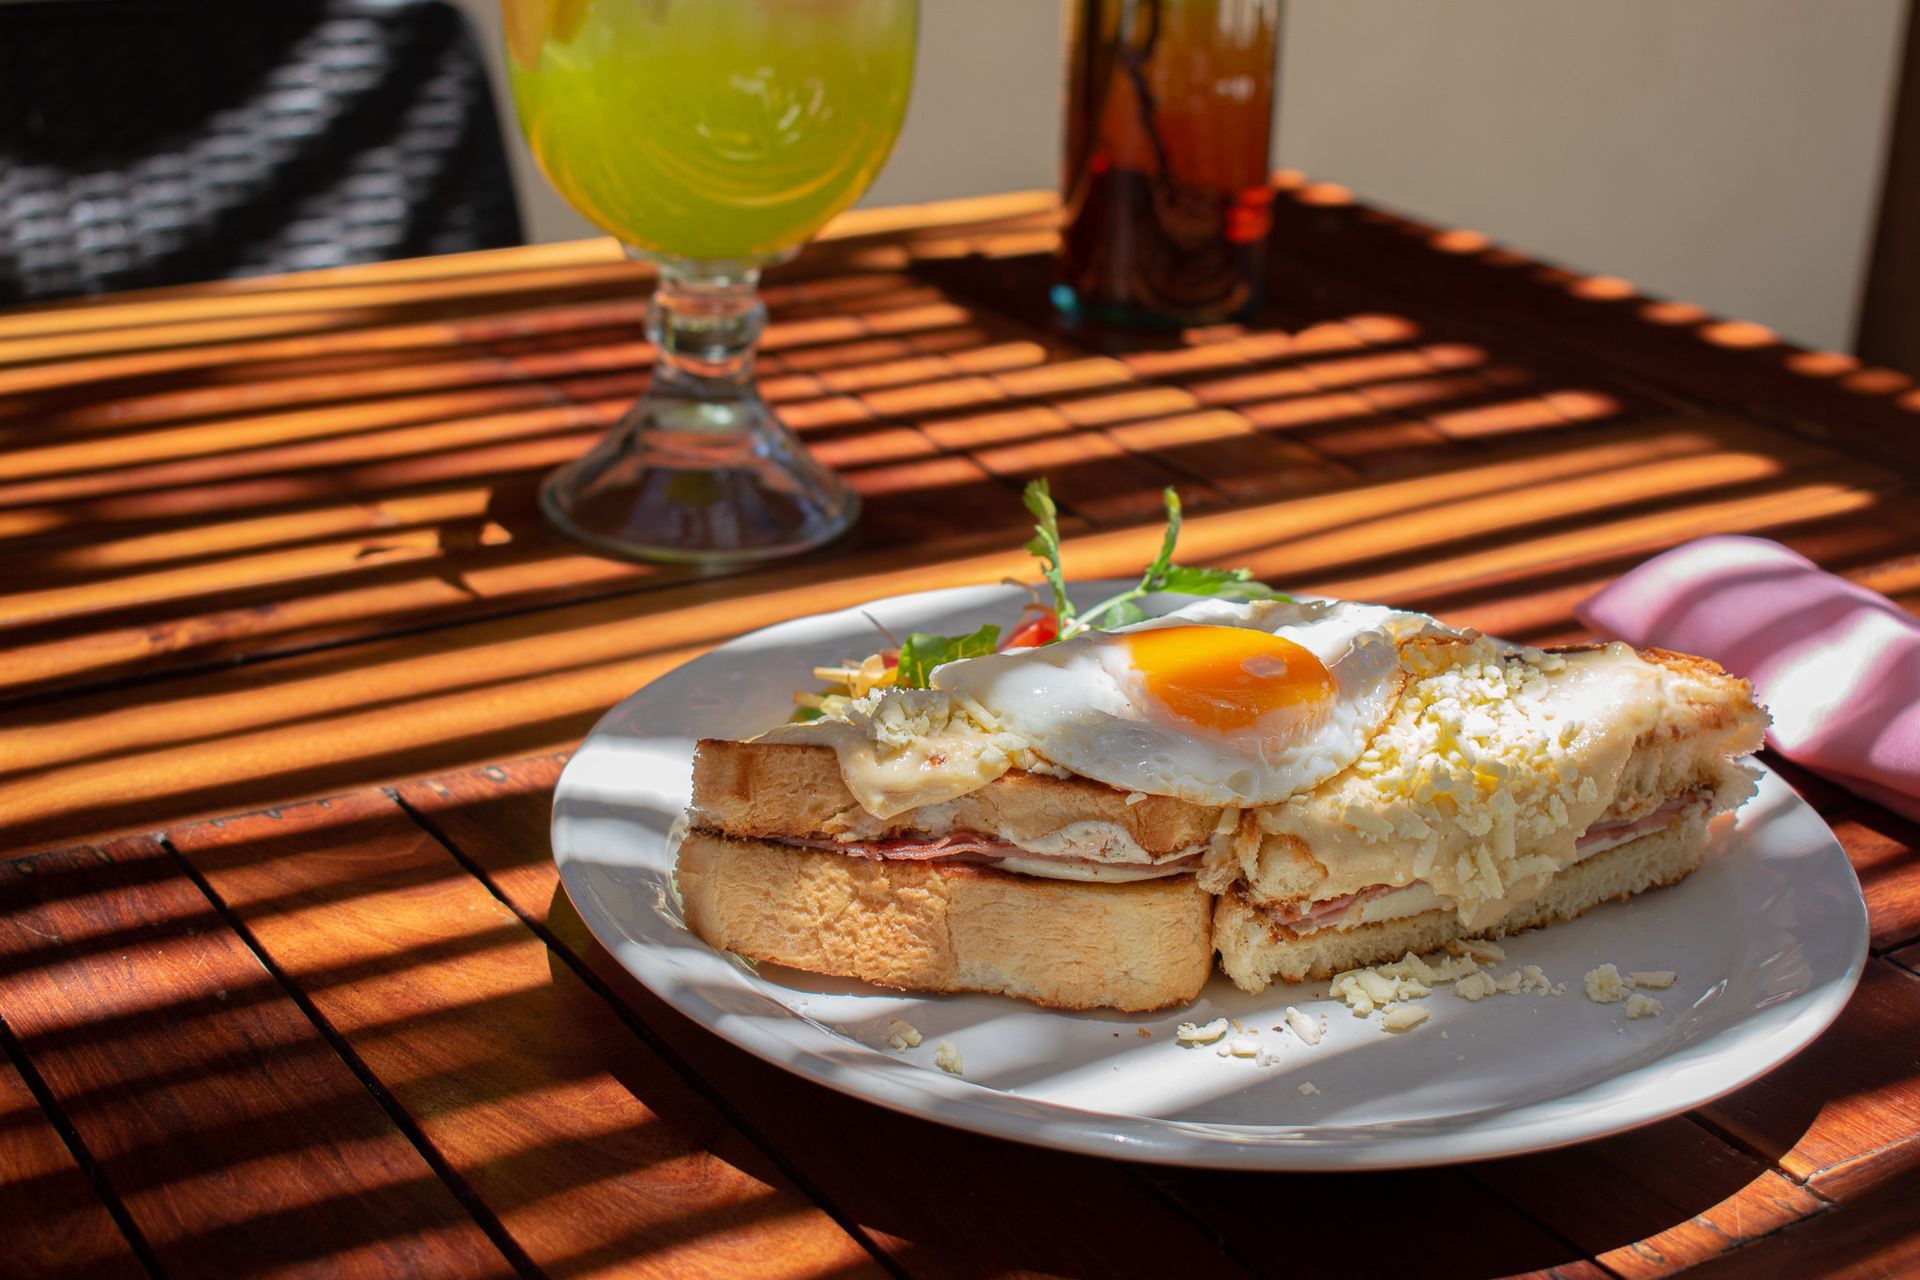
(1255, 950)
(950, 926)
(767, 790)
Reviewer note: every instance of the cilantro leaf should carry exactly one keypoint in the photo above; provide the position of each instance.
(922, 653)
(1046, 545)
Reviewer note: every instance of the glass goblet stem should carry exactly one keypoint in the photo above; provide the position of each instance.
(700, 469)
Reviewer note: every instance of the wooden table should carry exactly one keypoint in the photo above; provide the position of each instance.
(286, 978)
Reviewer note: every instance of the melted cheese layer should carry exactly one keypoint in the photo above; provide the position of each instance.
(912, 748)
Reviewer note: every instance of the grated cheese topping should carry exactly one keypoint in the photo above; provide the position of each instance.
(1484, 777)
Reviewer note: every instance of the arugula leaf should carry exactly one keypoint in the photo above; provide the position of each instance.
(1161, 575)
(1157, 571)
(801, 715)
(1164, 575)
(1238, 583)
(1046, 545)
(922, 653)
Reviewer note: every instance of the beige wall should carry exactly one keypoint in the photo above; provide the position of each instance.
(1722, 151)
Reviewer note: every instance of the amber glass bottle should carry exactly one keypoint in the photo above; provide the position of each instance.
(1169, 121)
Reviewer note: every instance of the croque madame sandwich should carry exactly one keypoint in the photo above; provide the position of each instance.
(1303, 786)
(1506, 791)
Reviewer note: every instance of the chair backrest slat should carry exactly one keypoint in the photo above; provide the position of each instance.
(158, 142)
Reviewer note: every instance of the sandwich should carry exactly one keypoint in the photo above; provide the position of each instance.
(1036, 821)
(1083, 817)
(1508, 790)
(1050, 888)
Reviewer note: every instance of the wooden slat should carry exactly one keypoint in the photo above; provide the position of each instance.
(226, 1124)
(1886, 856)
(1444, 1225)
(1653, 1202)
(404, 556)
(488, 273)
(329, 479)
(532, 682)
(592, 1153)
(1596, 321)
(1845, 1112)
(1049, 1212)
(1869, 1237)
(55, 1224)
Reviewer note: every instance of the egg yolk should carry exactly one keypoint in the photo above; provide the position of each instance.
(1227, 678)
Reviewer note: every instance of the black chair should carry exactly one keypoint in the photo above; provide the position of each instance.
(155, 142)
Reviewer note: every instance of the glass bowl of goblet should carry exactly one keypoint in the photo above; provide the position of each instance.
(713, 138)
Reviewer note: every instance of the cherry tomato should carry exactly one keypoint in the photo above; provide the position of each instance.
(1037, 626)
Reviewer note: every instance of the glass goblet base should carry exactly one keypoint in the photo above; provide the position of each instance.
(698, 482)
(700, 470)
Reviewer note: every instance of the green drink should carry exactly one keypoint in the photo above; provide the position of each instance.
(712, 137)
(719, 130)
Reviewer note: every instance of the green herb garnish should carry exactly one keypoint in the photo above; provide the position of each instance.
(922, 653)
(1162, 575)
(1046, 545)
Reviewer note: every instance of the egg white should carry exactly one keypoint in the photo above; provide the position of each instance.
(1083, 705)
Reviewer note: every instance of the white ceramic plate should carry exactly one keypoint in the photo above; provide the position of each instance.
(1768, 940)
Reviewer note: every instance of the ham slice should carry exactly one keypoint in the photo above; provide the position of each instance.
(1601, 832)
(910, 850)
(1308, 916)
(965, 846)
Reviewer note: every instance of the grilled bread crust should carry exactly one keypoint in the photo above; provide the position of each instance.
(950, 926)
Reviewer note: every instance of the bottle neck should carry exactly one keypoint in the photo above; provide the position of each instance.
(704, 323)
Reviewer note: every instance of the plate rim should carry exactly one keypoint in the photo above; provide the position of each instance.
(911, 1089)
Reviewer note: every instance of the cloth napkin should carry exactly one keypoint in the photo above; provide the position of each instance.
(1837, 665)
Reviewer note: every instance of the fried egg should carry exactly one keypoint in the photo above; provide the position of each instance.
(1217, 703)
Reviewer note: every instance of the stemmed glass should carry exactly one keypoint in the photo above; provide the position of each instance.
(713, 138)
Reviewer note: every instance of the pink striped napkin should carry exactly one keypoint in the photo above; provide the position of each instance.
(1836, 664)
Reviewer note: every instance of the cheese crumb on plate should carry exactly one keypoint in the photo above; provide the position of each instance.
(1201, 1033)
(902, 1035)
(1642, 1006)
(946, 1056)
(1605, 986)
(1403, 1017)
(1308, 1028)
